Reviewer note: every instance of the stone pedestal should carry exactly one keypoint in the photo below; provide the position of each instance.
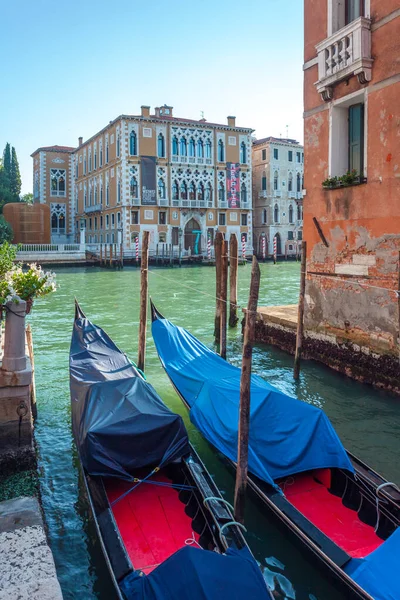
(16, 424)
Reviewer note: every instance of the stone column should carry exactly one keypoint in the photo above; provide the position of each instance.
(14, 358)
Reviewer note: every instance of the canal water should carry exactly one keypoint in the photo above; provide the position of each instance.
(368, 421)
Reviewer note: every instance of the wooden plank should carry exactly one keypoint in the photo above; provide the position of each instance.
(143, 300)
(233, 270)
(300, 320)
(217, 248)
(224, 296)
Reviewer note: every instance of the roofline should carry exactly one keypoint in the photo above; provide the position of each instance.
(52, 149)
(273, 140)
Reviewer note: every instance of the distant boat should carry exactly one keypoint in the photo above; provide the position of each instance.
(344, 512)
(164, 528)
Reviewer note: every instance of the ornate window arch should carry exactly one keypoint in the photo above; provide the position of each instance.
(290, 214)
(209, 193)
(192, 147)
(200, 191)
(290, 182)
(221, 192)
(161, 188)
(192, 191)
(132, 144)
(265, 216)
(243, 193)
(175, 191)
(184, 191)
(175, 146)
(57, 177)
(276, 213)
(298, 182)
(299, 216)
(134, 187)
(107, 193)
(58, 217)
(183, 146)
(161, 145)
(208, 149)
(221, 151)
(243, 153)
(200, 148)
(276, 180)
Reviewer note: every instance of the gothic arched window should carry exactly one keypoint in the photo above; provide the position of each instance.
(200, 191)
(264, 181)
(243, 153)
(221, 192)
(276, 214)
(132, 144)
(208, 149)
(221, 152)
(161, 188)
(298, 182)
(192, 191)
(183, 191)
(243, 193)
(200, 149)
(290, 214)
(192, 147)
(134, 187)
(276, 180)
(209, 193)
(175, 149)
(175, 191)
(161, 145)
(183, 147)
(290, 183)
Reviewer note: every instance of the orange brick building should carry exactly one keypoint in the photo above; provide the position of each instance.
(352, 223)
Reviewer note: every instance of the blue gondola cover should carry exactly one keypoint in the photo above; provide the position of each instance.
(194, 574)
(119, 422)
(287, 436)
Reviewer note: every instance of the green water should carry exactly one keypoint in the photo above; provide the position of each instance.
(368, 421)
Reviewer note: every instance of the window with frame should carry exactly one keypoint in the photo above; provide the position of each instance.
(107, 221)
(192, 191)
(221, 192)
(290, 182)
(298, 157)
(118, 145)
(192, 148)
(107, 152)
(95, 158)
(243, 153)
(264, 154)
(162, 237)
(209, 193)
(101, 156)
(57, 181)
(298, 177)
(118, 218)
(291, 214)
(183, 190)
(221, 151)
(276, 180)
(264, 182)
(183, 147)
(175, 146)
(134, 187)
(298, 212)
(356, 138)
(175, 191)
(161, 189)
(222, 219)
(133, 143)
(135, 217)
(276, 213)
(119, 191)
(276, 154)
(162, 217)
(353, 10)
(200, 191)
(200, 149)
(243, 193)
(300, 235)
(290, 155)
(113, 220)
(265, 216)
(161, 145)
(243, 219)
(107, 194)
(208, 149)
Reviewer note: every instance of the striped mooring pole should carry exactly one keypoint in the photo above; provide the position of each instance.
(137, 248)
(209, 245)
(263, 247)
(243, 247)
(275, 249)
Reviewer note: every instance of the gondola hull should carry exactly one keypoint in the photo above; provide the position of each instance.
(358, 491)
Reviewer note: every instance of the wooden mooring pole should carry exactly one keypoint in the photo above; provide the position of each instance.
(111, 255)
(101, 254)
(300, 318)
(224, 296)
(143, 300)
(244, 412)
(398, 304)
(217, 248)
(233, 269)
(32, 359)
(121, 255)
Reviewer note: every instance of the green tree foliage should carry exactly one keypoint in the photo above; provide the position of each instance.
(15, 176)
(10, 177)
(6, 232)
(28, 198)
(8, 254)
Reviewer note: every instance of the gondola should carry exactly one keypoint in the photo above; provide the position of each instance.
(340, 509)
(164, 528)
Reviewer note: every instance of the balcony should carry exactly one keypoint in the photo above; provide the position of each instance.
(92, 209)
(277, 193)
(262, 194)
(292, 194)
(344, 54)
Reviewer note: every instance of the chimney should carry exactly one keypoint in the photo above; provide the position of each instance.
(157, 111)
(231, 121)
(145, 111)
(80, 141)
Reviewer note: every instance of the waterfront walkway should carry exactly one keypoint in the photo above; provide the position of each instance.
(27, 570)
(279, 315)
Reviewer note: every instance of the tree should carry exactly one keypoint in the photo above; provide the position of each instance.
(7, 160)
(6, 235)
(15, 176)
(5, 192)
(28, 198)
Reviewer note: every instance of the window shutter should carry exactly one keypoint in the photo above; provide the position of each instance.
(356, 138)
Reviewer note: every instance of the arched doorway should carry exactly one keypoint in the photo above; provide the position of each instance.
(193, 236)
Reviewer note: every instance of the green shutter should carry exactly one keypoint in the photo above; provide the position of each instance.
(356, 138)
(354, 9)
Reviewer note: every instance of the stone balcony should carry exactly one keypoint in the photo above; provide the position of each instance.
(344, 54)
(94, 208)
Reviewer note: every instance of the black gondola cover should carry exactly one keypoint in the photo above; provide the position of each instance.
(119, 422)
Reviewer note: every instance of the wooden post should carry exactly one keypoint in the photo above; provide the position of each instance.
(244, 412)
(32, 359)
(180, 254)
(121, 255)
(105, 255)
(101, 254)
(217, 248)
(111, 254)
(300, 318)
(224, 297)
(398, 302)
(233, 269)
(171, 259)
(157, 254)
(143, 300)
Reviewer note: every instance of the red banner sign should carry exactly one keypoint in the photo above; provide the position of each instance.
(233, 184)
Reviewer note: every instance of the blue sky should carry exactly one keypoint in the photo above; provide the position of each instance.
(68, 68)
